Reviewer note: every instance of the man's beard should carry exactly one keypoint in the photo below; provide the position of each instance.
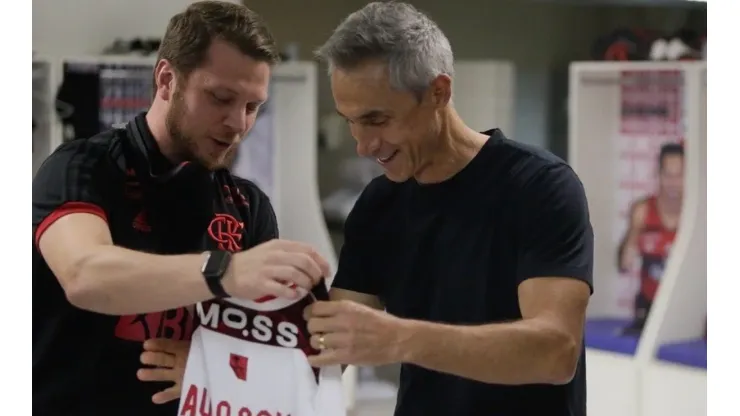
(186, 146)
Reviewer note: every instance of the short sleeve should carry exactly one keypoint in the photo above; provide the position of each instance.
(264, 221)
(67, 183)
(355, 269)
(555, 237)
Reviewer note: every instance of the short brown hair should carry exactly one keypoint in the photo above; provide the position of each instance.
(189, 34)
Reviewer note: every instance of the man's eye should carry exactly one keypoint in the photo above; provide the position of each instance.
(377, 122)
(221, 99)
(252, 107)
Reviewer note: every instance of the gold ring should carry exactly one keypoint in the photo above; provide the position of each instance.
(322, 343)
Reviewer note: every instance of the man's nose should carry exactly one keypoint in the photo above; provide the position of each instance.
(237, 119)
(367, 147)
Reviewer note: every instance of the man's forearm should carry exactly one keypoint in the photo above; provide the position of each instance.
(118, 281)
(522, 352)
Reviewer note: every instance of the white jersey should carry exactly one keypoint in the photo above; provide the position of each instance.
(248, 358)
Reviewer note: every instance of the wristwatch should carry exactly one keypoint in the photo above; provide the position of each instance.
(214, 268)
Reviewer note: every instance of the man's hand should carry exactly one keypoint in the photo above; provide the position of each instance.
(350, 333)
(275, 268)
(169, 358)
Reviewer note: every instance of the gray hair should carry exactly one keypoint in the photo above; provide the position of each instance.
(411, 43)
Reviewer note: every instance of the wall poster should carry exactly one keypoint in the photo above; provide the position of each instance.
(649, 146)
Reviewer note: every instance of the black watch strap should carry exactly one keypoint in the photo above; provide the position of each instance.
(214, 268)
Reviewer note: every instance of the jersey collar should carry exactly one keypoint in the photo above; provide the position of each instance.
(145, 142)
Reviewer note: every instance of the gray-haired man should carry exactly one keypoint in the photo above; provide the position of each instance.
(470, 260)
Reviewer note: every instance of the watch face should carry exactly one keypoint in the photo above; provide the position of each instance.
(205, 263)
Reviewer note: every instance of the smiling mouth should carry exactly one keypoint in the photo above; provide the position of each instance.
(221, 144)
(384, 160)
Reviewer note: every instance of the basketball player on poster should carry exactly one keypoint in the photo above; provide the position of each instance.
(651, 231)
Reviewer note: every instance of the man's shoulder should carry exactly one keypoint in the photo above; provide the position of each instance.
(259, 203)
(249, 188)
(95, 148)
(88, 156)
(521, 159)
(528, 168)
(245, 184)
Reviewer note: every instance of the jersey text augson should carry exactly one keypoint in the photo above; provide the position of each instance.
(265, 327)
(197, 403)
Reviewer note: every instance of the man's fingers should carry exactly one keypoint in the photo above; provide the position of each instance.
(167, 395)
(296, 246)
(170, 346)
(321, 261)
(279, 290)
(157, 374)
(329, 342)
(290, 275)
(157, 344)
(305, 264)
(158, 359)
(324, 325)
(325, 308)
(160, 344)
(308, 312)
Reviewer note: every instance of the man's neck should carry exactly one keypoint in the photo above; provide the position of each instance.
(155, 119)
(457, 145)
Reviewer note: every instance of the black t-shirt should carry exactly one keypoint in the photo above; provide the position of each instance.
(455, 252)
(85, 363)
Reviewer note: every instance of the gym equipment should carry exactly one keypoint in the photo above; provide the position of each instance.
(645, 376)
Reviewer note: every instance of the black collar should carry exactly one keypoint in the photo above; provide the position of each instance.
(149, 158)
(158, 163)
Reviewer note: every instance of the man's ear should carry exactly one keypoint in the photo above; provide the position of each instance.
(164, 79)
(441, 90)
